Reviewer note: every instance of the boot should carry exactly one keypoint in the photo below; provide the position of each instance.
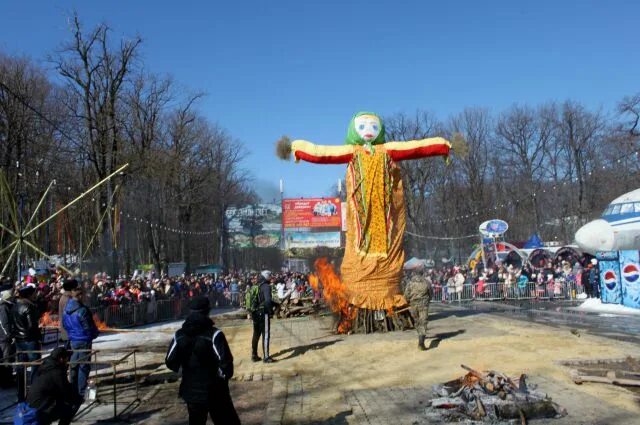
(255, 358)
(421, 345)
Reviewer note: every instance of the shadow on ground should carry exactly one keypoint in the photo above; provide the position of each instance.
(437, 338)
(339, 419)
(302, 349)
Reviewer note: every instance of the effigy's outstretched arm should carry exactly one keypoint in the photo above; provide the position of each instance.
(414, 149)
(321, 154)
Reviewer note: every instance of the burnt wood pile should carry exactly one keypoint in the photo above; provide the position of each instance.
(369, 321)
(297, 307)
(490, 397)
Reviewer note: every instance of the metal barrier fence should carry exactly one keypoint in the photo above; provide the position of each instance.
(145, 312)
(503, 291)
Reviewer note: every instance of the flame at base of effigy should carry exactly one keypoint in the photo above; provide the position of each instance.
(352, 319)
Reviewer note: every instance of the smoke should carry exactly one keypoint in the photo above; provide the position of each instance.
(267, 191)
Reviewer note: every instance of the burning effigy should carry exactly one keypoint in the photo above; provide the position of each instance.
(371, 270)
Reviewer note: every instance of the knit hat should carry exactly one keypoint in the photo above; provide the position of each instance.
(200, 304)
(69, 284)
(27, 290)
(266, 274)
(59, 353)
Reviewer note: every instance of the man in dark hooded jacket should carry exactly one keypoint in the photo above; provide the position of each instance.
(51, 393)
(262, 319)
(202, 352)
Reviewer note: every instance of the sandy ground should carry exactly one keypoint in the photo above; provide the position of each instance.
(383, 378)
(328, 368)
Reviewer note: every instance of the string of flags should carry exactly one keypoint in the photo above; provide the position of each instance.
(531, 196)
(151, 224)
(441, 238)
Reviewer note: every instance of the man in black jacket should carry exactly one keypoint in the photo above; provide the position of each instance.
(26, 333)
(262, 319)
(51, 393)
(7, 347)
(202, 352)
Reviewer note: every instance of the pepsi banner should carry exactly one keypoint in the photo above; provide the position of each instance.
(611, 288)
(630, 278)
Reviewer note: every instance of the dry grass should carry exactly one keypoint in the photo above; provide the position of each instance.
(283, 148)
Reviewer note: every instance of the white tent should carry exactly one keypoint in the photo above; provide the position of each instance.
(415, 263)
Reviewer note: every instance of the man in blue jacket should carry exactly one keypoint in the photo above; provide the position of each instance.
(81, 330)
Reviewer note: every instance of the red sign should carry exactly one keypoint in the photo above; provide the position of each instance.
(311, 212)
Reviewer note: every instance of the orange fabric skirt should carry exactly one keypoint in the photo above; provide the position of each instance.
(374, 255)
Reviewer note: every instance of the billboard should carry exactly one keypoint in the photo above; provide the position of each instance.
(630, 278)
(311, 213)
(311, 239)
(610, 285)
(312, 222)
(254, 226)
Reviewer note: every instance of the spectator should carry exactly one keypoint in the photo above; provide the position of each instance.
(7, 346)
(202, 352)
(81, 330)
(67, 287)
(27, 334)
(262, 319)
(51, 394)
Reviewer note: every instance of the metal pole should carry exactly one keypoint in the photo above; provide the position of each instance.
(484, 259)
(35, 212)
(80, 259)
(115, 396)
(85, 193)
(283, 245)
(20, 237)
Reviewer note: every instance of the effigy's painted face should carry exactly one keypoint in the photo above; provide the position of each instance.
(368, 127)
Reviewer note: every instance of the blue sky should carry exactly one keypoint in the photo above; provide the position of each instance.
(302, 68)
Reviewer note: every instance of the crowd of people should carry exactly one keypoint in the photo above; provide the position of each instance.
(260, 293)
(551, 278)
(223, 289)
(22, 305)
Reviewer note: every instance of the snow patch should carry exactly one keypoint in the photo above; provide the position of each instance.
(595, 304)
(153, 334)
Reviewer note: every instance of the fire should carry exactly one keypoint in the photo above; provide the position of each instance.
(334, 293)
(99, 323)
(51, 321)
(46, 321)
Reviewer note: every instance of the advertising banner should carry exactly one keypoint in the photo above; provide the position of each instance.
(254, 226)
(312, 213)
(611, 288)
(311, 239)
(630, 278)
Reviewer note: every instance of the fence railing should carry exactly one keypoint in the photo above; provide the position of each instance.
(124, 315)
(503, 291)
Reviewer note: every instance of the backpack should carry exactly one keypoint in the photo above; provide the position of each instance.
(252, 300)
(25, 415)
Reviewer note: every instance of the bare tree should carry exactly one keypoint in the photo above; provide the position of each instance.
(96, 75)
(524, 134)
(581, 131)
